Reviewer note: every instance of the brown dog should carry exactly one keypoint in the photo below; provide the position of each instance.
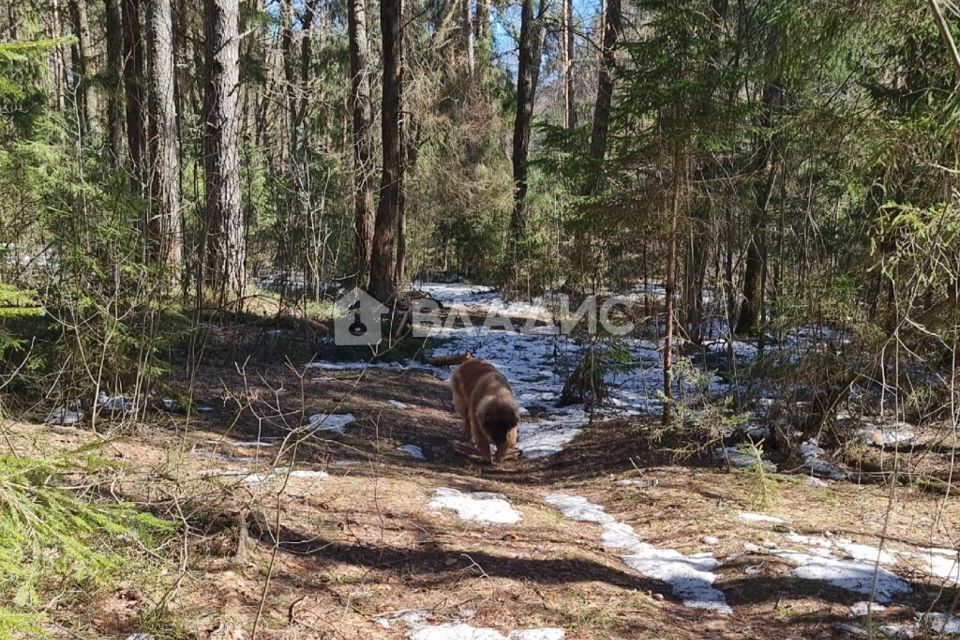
(484, 399)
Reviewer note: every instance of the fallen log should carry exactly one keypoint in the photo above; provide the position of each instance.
(449, 361)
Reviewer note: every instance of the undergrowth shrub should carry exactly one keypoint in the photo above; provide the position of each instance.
(50, 539)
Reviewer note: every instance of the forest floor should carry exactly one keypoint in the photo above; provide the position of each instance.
(345, 539)
(332, 502)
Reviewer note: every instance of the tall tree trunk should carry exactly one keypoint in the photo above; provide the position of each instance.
(695, 271)
(133, 88)
(165, 216)
(289, 71)
(670, 281)
(57, 61)
(539, 38)
(225, 241)
(289, 217)
(764, 174)
(568, 47)
(13, 22)
(362, 136)
(112, 78)
(601, 108)
(466, 33)
(698, 249)
(528, 71)
(383, 263)
(84, 61)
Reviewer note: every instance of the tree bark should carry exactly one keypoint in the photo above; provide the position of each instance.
(112, 78)
(57, 61)
(568, 46)
(133, 88)
(466, 33)
(698, 250)
(762, 169)
(165, 214)
(362, 135)
(383, 264)
(13, 22)
(225, 241)
(84, 61)
(670, 282)
(604, 102)
(528, 70)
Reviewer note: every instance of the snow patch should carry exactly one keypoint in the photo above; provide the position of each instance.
(411, 617)
(308, 473)
(865, 552)
(859, 609)
(943, 563)
(330, 421)
(814, 459)
(851, 575)
(480, 506)
(116, 404)
(759, 517)
(547, 633)
(550, 434)
(413, 450)
(398, 404)
(255, 443)
(886, 434)
(741, 460)
(941, 623)
(690, 577)
(64, 417)
(462, 631)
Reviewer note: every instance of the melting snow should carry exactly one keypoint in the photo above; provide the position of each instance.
(413, 450)
(255, 443)
(412, 617)
(859, 609)
(741, 460)
(941, 623)
(547, 633)
(63, 416)
(481, 506)
(462, 631)
(886, 434)
(759, 517)
(852, 575)
(690, 577)
(308, 473)
(528, 359)
(330, 421)
(398, 404)
(813, 457)
(943, 563)
(116, 404)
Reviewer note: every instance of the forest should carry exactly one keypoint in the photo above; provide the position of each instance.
(278, 278)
